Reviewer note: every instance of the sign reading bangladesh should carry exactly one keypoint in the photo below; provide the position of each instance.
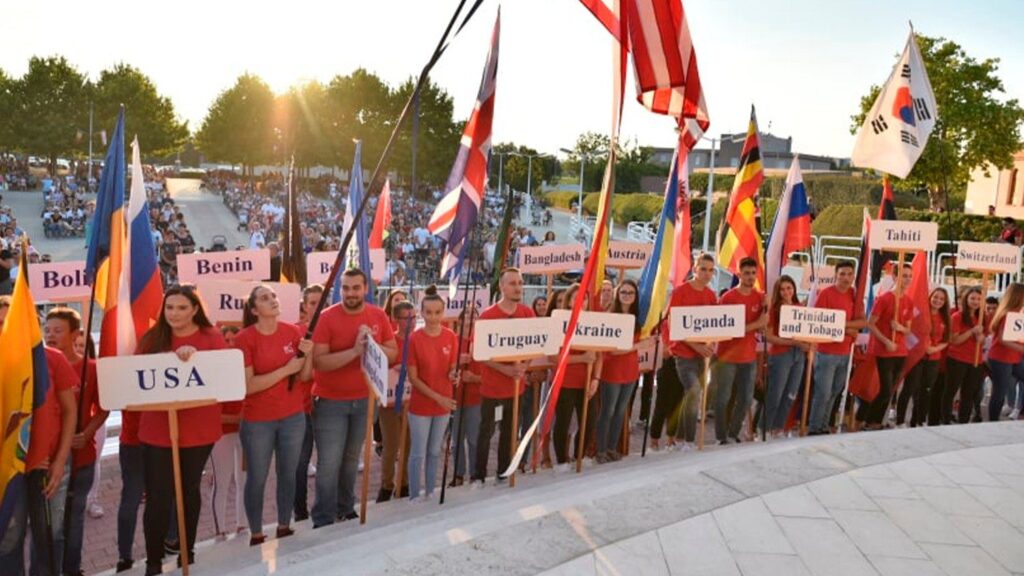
(812, 324)
(516, 339)
(706, 323)
(996, 257)
(599, 330)
(551, 258)
(235, 265)
(139, 381)
(903, 236)
(58, 281)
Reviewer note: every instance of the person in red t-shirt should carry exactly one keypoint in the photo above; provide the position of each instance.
(575, 389)
(786, 360)
(467, 415)
(403, 318)
(1004, 358)
(619, 374)
(433, 355)
(889, 345)
(341, 394)
(62, 326)
(277, 357)
(919, 381)
(310, 300)
(500, 381)
(963, 373)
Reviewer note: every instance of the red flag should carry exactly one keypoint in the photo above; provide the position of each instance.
(921, 326)
(382, 220)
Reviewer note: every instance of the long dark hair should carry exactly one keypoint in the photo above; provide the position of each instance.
(249, 316)
(776, 303)
(617, 303)
(553, 301)
(943, 312)
(966, 318)
(158, 338)
(390, 301)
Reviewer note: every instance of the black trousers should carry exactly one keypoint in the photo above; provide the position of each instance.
(888, 374)
(160, 495)
(646, 396)
(965, 378)
(670, 394)
(938, 391)
(917, 385)
(483, 444)
(571, 400)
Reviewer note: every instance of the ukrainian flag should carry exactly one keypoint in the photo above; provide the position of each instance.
(24, 381)
(652, 297)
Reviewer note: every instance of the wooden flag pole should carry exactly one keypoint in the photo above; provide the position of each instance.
(514, 437)
(981, 316)
(371, 400)
(536, 434)
(899, 293)
(179, 498)
(807, 390)
(704, 382)
(583, 420)
(403, 430)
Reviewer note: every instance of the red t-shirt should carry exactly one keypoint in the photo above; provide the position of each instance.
(848, 302)
(773, 326)
(575, 374)
(130, 428)
(884, 312)
(46, 419)
(338, 329)
(964, 351)
(306, 386)
(937, 335)
(230, 409)
(86, 455)
(495, 384)
(687, 295)
(266, 353)
(470, 395)
(742, 350)
(999, 351)
(196, 426)
(434, 357)
(621, 368)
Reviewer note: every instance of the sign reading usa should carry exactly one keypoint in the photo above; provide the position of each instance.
(237, 265)
(58, 281)
(139, 381)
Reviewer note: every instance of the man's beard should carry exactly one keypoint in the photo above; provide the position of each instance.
(353, 304)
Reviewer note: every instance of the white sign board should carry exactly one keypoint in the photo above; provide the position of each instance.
(58, 281)
(988, 257)
(628, 254)
(551, 258)
(479, 295)
(144, 380)
(318, 265)
(812, 324)
(902, 236)
(1013, 327)
(645, 354)
(826, 277)
(517, 338)
(599, 330)
(707, 323)
(225, 299)
(393, 373)
(235, 265)
(375, 365)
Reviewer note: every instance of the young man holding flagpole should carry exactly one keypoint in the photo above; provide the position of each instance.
(689, 356)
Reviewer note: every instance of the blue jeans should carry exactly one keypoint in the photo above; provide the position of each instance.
(466, 434)
(614, 401)
(261, 441)
(427, 435)
(829, 381)
(784, 374)
(1004, 378)
(689, 371)
(339, 427)
(133, 484)
(301, 483)
(30, 513)
(730, 376)
(73, 551)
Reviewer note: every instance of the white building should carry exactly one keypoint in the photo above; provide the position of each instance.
(1003, 189)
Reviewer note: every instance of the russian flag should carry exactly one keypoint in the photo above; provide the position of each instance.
(791, 231)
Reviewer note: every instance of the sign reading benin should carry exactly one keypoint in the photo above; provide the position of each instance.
(516, 339)
(988, 257)
(812, 324)
(902, 236)
(375, 365)
(225, 299)
(1013, 328)
(599, 330)
(58, 281)
(318, 265)
(550, 258)
(628, 254)
(144, 380)
(453, 306)
(235, 265)
(706, 323)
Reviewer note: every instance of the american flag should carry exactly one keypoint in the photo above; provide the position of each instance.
(456, 214)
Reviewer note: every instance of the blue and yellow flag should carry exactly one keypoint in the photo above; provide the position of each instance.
(24, 381)
(653, 293)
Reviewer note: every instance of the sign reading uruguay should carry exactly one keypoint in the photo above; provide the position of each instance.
(58, 281)
(551, 258)
(599, 330)
(225, 299)
(144, 380)
(706, 323)
(318, 265)
(236, 265)
(375, 365)
(516, 339)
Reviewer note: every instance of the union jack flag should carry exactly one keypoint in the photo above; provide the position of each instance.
(456, 214)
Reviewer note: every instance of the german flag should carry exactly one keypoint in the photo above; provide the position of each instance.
(739, 235)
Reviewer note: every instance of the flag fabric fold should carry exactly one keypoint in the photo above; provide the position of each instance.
(362, 234)
(293, 257)
(791, 231)
(921, 325)
(738, 234)
(382, 218)
(652, 295)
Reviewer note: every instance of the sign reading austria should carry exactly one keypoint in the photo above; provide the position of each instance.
(516, 339)
(236, 265)
(139, 381)
(318, 265)
(58, 281)
(902, 236)
(812, 324)
(225, 299)
(988, 257)
(628, 254)
(375, 365)
(706, 323)
(599, 330)
(550, 258)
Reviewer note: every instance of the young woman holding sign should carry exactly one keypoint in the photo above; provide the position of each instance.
(963, 373)
(786, 359)
(184, 329)
(922, 376)
(274, 412)
(1004, 358)
(620, 372)
(575, 391)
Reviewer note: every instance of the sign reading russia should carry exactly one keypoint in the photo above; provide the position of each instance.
(516, 339)
(139, 381)
(628, 254)
(375, 365)
(988, 257)
(236, 265)
(812, 324)
(706, 323)
(902, 236)
(225, 299)
(551, 258)
(58, 281)
(599, 330)
(318, 265)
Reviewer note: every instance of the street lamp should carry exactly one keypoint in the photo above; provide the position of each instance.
(529, 168)
(583, 158)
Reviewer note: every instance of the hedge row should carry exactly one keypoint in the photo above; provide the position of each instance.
(846, 220)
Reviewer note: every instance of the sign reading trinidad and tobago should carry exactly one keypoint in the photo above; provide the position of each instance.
(998, 257)
(812, 324)
(903, 236)
(318, 265)
(516, 339)
(628, 254)
(236, 265)
(148, 379)
(58, 281)
(551, 258)
(225, 299)
(706, 323)
(599, 330)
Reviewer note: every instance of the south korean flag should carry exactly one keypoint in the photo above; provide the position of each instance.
(896, 129)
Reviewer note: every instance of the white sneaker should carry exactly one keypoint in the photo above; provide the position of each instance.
(476, 484)
(360, 469)
(1014, 414)
(311, 470)
(563, 468)
(95, 510)
(684, 447)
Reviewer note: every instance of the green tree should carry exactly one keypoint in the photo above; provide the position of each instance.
(304, 125)
(148, 115)
(50, 106)
(8, 88)
(594, 147)
(358, 107)
(238, 127)
(517, 166)
(438, 140)
(975, 128)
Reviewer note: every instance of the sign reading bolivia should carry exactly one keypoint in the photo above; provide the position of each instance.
(599, 330)
(516, 339)
(144, 380)
(318, 265)
(706, 323)
(645, 354)
(996, 257)
(58, 281)
(903, 236)
(1013, 327)
(551, 258)
(375, 365)
(225, 299)
(235, 265)
(812, 324)
(628, 254)
(453, 306)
